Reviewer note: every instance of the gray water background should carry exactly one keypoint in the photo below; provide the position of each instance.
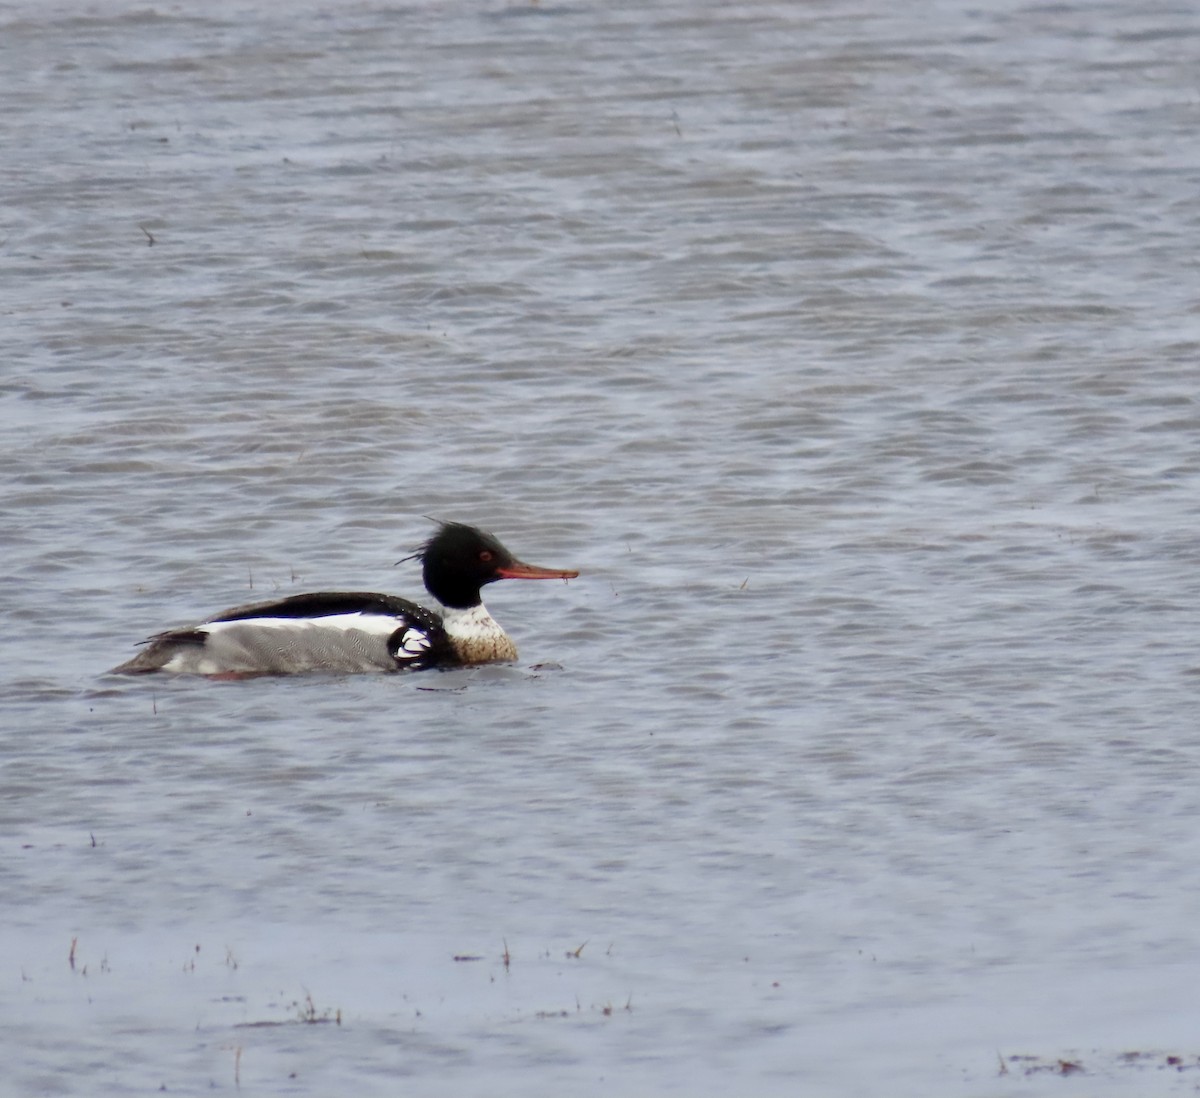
(850, 350)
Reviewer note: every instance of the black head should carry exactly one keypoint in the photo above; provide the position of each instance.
(459, 559)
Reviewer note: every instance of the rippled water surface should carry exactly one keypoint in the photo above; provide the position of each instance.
(850, 350)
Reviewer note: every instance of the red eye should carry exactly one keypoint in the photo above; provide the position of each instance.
(485, 554)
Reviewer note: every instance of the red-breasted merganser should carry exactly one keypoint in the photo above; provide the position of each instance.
(358, 631)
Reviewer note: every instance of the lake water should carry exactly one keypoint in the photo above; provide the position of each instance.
(850, 350)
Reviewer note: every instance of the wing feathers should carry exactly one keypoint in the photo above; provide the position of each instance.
(334, 631)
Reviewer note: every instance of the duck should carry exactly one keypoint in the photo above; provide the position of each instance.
(356, 631)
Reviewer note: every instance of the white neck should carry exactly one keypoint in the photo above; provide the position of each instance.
(475, 621)
(476, 636)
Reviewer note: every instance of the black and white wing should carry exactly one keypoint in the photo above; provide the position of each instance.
(330, 631)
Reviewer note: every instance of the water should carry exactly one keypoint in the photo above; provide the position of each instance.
(851, 354)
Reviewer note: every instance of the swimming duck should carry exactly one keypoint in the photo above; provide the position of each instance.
(358, 631)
